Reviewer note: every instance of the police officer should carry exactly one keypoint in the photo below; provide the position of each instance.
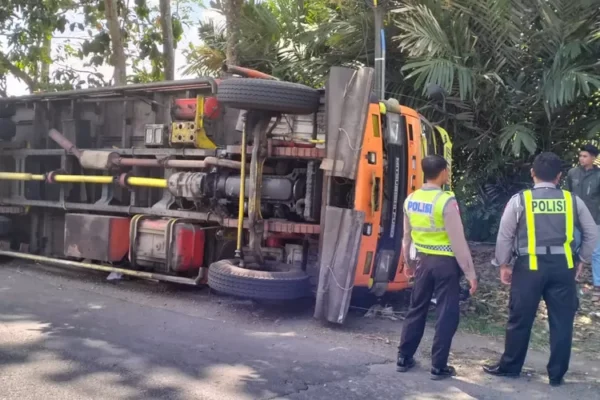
(538, 228)
(432, 223)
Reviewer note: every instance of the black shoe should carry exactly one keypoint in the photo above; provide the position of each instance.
(556, 382)
(404, 363)
(437, 374)
(497, 370)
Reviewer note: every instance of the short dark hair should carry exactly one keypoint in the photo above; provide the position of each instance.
(547, 166)
(433, 166)
(590, 148)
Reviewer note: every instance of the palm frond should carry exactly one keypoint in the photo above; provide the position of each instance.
(441, 72)
(563, 85)
(521, 136)
(422, 34)
(203, 60)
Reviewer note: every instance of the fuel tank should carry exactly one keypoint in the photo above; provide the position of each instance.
(168, 245)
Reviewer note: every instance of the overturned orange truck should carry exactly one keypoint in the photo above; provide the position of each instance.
(258, 188)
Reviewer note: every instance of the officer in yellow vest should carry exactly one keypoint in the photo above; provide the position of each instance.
(433, 225)
(537, 227)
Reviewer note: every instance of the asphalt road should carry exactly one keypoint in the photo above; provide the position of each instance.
(64, 335)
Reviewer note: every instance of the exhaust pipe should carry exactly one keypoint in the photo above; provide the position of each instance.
(89, 159)
(105, 160)
(65, 143)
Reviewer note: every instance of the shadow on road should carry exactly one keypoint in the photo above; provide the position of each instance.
(74, 339)
(110, 348)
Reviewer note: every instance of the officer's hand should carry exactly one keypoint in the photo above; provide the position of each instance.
(579, 271)
(505, 274)
(409, 271)
(473, 284)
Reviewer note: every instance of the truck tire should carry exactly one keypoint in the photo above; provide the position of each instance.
(285, 283)
(8, 129)
(7, 110)
(267, 95)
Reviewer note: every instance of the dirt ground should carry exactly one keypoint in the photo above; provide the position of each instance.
(486, 313)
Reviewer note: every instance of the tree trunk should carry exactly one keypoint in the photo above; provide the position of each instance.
(232, 10)
(46, 60)
(118, 59)
(166, 23)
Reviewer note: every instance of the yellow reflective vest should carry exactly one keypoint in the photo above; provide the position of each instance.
(425, 211)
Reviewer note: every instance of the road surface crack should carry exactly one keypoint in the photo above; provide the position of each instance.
(384, 362)
(305, 386)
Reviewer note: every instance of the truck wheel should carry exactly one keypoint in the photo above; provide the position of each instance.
(8, 129)
(267, 95)
(7, 110)
(284, 283)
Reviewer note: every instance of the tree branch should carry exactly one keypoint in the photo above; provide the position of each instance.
(79, 71)
(17, 72)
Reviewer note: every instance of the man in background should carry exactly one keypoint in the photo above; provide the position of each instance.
(584, 181)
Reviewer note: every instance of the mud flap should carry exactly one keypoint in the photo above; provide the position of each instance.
(338, 261)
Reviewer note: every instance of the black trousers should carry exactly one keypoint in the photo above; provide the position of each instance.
(555, 283)
(442, 275)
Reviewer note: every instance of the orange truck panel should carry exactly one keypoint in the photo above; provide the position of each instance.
(369, 194)
(415, 155)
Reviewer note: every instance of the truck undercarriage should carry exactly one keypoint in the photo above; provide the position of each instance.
(257, 187)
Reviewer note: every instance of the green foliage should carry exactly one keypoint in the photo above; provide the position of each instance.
(29, 26)
(296, 41)
(519, 76)
(142, 33)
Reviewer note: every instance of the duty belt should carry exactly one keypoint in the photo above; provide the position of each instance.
(523, 251)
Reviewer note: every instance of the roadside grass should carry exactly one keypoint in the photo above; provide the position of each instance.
(482, 325)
